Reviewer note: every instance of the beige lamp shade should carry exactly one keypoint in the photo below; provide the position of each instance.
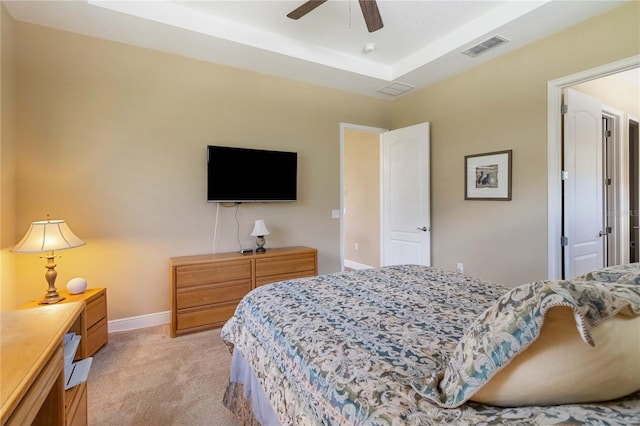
(259, 229)
(47, 235)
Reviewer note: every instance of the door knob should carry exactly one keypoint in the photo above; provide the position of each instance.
(424, 229)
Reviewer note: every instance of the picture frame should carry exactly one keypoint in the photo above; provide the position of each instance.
(488, 176)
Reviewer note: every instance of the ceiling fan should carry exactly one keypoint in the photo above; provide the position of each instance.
(369, 11)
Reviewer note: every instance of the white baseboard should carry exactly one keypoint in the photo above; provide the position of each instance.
(141, 321)
(355, 265)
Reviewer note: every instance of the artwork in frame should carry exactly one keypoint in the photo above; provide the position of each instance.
(488, 176)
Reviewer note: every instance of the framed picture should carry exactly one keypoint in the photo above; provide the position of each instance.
(488, 176)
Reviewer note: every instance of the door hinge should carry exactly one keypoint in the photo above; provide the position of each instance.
(564, 109)
(564, 240)
(607, 134)
(608, 230)
(564, 175)
(607, 181)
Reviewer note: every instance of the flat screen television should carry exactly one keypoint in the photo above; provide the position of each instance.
(243, 175)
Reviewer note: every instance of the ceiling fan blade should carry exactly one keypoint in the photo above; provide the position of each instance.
(371, 15)
(305, 8)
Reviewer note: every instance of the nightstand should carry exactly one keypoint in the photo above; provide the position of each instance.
(93, 321)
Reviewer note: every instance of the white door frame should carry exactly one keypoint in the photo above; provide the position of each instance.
(627, 123)
(619, 204)
(365, 129)
(554, 154)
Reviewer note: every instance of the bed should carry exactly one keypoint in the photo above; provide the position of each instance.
(419, 345)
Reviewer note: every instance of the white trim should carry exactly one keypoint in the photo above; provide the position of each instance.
(620, 184)
(360, 128)
(630, 118)
(554, 144)
(355, 265)
(141, 321)
(381, 195)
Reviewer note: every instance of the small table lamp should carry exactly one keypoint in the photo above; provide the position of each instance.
(47, 236)
(259, 231)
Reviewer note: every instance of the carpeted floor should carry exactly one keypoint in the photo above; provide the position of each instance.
(145, 377)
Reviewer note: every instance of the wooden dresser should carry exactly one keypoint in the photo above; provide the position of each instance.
(206, 289)
(93, 327)
(31, 356)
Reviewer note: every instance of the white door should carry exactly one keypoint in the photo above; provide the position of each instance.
(406, 216)
(583, 186)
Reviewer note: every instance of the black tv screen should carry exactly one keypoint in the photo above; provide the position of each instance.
(250, 175)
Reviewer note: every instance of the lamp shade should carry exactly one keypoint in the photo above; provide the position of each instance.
(47, 235)
(259, 229)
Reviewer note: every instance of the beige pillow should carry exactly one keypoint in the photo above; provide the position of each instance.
(560, 368)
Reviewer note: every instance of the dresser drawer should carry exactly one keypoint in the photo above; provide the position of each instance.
(275, 278)
(304, 263)
(214, 293)
(210, 316)
(210, 273)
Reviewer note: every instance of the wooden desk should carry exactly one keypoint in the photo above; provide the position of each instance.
(31, 355)
(93, 324)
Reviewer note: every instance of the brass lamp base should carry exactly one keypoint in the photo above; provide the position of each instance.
(50, 299)
(52, 295)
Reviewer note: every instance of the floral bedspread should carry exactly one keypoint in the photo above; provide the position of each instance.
(349, 348)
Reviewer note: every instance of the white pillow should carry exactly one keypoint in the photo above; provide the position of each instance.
(560, 368)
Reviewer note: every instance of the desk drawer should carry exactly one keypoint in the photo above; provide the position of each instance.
(96, 310)
(76, 405)
(97, 336)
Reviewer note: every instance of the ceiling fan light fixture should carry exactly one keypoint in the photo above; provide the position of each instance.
(369, 47)
(369, 8)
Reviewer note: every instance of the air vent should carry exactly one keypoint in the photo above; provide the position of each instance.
(395, 88)
(479, 49)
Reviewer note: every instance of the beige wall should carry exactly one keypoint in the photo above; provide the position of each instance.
(502, 105)
(362, 197)
(8, 293)
(113, 139)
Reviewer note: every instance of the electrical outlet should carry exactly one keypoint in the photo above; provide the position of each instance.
(460, 268)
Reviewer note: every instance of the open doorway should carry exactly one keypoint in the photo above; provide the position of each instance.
(360, 227)
(385, 196)
(555, 229)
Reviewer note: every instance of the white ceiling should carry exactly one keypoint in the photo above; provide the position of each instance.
(420, 44)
